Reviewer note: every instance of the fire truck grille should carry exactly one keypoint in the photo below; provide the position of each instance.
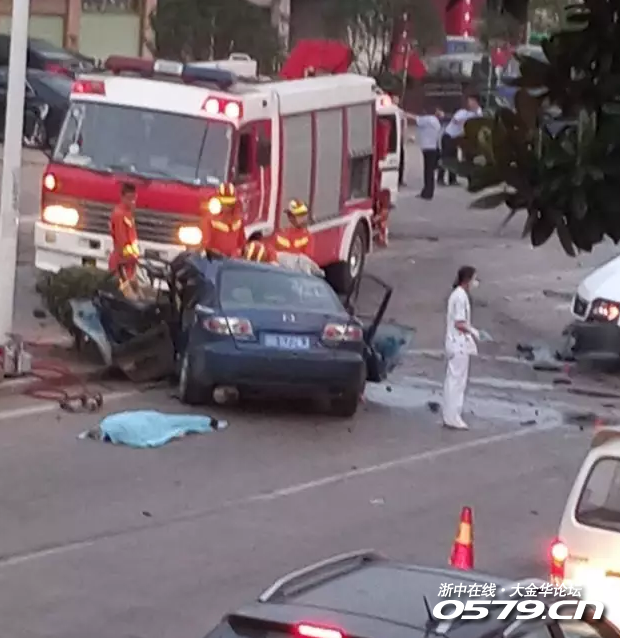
(152, 225)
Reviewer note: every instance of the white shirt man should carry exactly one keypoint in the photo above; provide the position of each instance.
(454, 130)
(429, 139)
(456, 126)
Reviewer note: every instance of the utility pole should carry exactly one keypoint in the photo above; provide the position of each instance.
(12, 161)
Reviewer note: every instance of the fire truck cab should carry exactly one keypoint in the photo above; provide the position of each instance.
(178, 131)
(389, 165)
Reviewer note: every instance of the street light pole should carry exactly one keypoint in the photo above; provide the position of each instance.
(12, 161)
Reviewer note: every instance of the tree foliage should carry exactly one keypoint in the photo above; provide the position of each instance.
(557, 154)
(370, 27)
(547, 15)
(213, 29)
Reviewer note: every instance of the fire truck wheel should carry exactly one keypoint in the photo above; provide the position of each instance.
(343, 275)
(191, 392)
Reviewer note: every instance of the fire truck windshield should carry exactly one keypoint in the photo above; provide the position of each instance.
(151, 144)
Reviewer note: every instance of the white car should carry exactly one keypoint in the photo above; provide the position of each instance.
(595, 333)
(587, 551)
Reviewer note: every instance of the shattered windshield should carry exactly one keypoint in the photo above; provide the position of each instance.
(242, 287)
(152, 144)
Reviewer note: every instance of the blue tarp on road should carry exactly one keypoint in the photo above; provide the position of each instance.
(148, 428)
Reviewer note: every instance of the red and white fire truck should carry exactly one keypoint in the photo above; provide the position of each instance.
(177, 131)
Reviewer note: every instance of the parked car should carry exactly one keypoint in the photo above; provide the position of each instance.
(46, 56)
(46, 102)
(364, 595)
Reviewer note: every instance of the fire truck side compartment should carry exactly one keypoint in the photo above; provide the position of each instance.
(328, 169)
(296, 160)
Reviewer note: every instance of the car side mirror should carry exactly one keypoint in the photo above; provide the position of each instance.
(263, 153)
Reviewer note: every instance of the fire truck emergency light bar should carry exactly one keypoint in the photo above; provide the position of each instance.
(189, 74)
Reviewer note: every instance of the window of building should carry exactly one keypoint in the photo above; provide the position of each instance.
(111, 6)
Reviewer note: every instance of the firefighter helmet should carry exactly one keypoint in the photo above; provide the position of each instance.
(226, 194)
(297, 208)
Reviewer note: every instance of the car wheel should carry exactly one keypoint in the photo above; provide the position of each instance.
(344, 275)
(345, 405)
(191, 392)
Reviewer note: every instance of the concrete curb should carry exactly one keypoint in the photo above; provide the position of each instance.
(13, 386)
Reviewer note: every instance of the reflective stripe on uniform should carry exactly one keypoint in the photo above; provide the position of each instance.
(283, 241)
(131, 250)
(128, 221)
(225, 228)
(299, 243)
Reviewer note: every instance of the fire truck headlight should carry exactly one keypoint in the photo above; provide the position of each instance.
(57, 215)
(190, 235)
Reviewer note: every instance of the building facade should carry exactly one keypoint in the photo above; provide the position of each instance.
(96, 28)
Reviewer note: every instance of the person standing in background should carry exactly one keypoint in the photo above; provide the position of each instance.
(460, 344)
(429, 138)
(455, 130)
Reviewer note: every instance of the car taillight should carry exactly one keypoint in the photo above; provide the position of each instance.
(58, 68)
(314, 631)
(558, 554)
(335, 333)
(230, 326)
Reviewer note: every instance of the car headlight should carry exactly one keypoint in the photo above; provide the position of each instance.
(605, 310)
(58, 215)
(190, 235)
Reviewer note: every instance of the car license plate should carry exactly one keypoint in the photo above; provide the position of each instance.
(287, 342)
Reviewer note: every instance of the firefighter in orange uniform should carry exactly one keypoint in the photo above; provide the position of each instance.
(259, 251)
(125, 252)
(297, 239)
(223, 230)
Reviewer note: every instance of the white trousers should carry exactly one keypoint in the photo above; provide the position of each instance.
(454, 387)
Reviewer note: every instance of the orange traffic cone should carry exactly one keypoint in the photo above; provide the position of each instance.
(462, 556)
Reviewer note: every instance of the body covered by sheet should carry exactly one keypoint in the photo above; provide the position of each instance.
(149, 428)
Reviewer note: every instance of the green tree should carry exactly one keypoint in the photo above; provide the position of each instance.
(213, 29)
(370, 27)
(547, 15)
(557, 155)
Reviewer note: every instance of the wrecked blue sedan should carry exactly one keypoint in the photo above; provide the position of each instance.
(246, 328)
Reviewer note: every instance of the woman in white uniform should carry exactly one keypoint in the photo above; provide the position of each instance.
(461, 338)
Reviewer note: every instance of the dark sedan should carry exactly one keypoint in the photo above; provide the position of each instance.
(45, 56)
(365, 595)
(46, 93)
(269, 330)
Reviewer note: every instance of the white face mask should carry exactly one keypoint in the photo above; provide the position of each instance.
(475, 283)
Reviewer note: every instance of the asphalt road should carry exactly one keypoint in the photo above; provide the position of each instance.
(108, 542)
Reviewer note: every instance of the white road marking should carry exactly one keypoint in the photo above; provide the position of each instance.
(487, 382)
(52, 406)
(291, 490)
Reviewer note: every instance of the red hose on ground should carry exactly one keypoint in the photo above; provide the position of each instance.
(52, 381)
